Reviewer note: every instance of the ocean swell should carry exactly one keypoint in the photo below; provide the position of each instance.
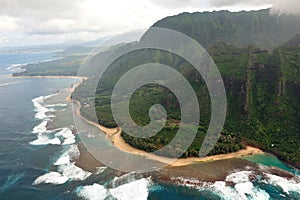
(244, 185)
(134, 190)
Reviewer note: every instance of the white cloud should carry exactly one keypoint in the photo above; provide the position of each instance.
(10, 24)
(87, 19)
(285, 6)
(3, 39)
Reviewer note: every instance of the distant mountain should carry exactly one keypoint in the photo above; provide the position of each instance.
(257, 28)
(74, 51)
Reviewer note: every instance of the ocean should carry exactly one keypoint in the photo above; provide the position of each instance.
(38, 163)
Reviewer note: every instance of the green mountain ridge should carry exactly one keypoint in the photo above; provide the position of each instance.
(255, 28)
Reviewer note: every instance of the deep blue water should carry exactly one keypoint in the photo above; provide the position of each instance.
(21, 163)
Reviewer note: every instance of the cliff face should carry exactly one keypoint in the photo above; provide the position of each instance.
(263, 97)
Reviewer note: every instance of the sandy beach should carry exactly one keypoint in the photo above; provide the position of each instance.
(114, 136)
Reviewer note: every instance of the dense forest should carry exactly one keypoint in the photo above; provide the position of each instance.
(66, 66)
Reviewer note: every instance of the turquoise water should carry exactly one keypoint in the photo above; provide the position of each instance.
(271, 161)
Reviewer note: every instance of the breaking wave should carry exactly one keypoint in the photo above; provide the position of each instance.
(40, 109)
(243, 185)
(51, 178)
(67, 170)
(135, 190)
(288, 186)
(10, 83)
(67, 135)
(16, 67)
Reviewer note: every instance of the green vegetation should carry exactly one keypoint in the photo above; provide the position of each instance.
(67, 66)
(74, 51)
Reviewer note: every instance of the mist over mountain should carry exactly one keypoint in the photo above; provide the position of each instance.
(256, 28)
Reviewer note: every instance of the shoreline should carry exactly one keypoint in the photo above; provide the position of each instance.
(114, 136)
(52, 77)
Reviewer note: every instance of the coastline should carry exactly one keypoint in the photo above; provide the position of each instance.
(54, 77)
(114, 136)
(208, 169)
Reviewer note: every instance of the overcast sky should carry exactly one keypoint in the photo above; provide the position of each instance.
(31, 22)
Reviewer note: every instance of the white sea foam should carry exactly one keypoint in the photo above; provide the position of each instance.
(286, 185)
(136, 190)
(10, 83)
(66, 169)
(242, 188)
(239, 177)
(66, 158)
(41, 128)
(40, 108)
(240, 191)
(63, 160)
(247, 189)
(16, 67)
(51, 178)
(45, 140)
(73, 152)
(73, 172)
(67, 134)
(93, 192)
